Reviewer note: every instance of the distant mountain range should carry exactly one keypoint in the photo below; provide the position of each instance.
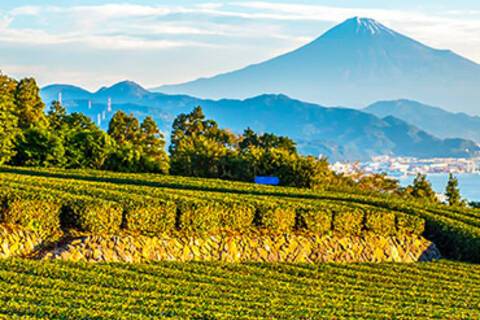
(435, 120)
(339, 133)
(353, 64)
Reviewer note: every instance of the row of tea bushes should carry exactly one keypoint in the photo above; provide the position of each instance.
(48, 209)
(32, 289)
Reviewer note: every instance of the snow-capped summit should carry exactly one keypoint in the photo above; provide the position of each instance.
(359, 26)
(370, 25)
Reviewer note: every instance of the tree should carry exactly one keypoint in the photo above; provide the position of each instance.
(124, 128)
(422, 189)
(152, 141)
(140, 148)
(452, 192)
(8, 118)
(377, 182)
(39, 147)
(199, 147)
(30, 107)
(57, 116)
(266, 141)
(87, 148)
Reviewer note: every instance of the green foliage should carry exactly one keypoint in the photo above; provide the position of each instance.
(151, 219)
(454, 230)
(57, 115)
(87, 148)
(154, 158)
(266, 141)
(198, 216)
(34, 214)
(409, 224)
(39, 147)
(199, 147)
(275, 217)
(452, 192)
(317, 219)
(124, 128)
(348, 221)
(8, 118)
(422, 189)
(97, 216)
(140, 148)
(211, 290)
(378, 182)
(30, 107)
(381, 222)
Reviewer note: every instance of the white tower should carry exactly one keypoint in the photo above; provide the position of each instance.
(104, 115)
(109, 105)
(89, 104)
(99, 119)
(59, 98)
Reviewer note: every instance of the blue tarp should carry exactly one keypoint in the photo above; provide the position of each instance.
(274, 181)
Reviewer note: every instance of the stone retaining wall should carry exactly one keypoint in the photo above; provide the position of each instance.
(236, 247)
(17, 242)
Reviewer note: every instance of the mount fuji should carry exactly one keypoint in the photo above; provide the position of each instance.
(354, 64)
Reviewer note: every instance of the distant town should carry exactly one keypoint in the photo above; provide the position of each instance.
(408, 166)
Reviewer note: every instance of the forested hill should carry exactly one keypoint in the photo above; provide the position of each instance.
(339, 133)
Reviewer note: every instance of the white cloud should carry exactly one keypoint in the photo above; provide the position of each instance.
(234, 32)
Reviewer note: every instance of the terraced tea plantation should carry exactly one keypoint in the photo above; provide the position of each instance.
(59, 290)
(46, 215)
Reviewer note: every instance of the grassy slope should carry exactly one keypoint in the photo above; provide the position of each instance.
(59, 290)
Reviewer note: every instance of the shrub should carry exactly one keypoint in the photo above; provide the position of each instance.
(315, 219)
(237, 216)
(348, 221)
(152, 218)
(198, 216)
(90, 215)
(408, 224)
(380, 222)
(33, 214)
(275, 217)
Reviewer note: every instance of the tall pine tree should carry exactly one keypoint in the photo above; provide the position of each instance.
(452, 192)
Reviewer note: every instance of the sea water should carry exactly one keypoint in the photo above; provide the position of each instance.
(469, 184)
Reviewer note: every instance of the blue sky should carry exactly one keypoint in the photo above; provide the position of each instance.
(93, 43)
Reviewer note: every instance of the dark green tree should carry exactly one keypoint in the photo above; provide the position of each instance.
(8, 118)
(422, 189)
(266, 141)
(30, 107)
(87, 148)
(452, 192)
(39, 147)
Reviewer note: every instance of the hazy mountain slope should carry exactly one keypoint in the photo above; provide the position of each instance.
(354, 63)
(435, 120)
(339, 133)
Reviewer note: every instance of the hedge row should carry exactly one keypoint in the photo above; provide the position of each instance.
(39, 208)
(445, 226)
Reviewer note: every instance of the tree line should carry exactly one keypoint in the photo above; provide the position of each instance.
(33, 136)
(30, 135)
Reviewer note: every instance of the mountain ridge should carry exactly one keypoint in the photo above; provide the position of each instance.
(337, 132)
(433, 119)
(354, 63)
